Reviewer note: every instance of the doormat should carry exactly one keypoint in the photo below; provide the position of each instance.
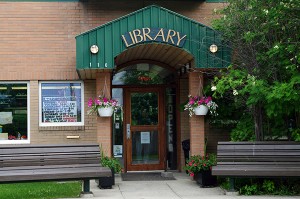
(141, 176)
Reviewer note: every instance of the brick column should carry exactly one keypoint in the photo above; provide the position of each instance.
(197, 130)
(104, 128)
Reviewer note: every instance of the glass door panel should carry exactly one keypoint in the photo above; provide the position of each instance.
(145, 147)
(144, 108)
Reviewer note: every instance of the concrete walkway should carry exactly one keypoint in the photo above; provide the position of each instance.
(181, 188)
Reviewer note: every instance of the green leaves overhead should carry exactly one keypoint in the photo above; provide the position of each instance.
(264, 77)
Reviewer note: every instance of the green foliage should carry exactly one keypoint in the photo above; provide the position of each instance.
(112, 163)
(224, 183)
(296, 135)
(249, 189)
(244, 130)
(260, 186)
(264, 79)
(37, 190)
(268, 186)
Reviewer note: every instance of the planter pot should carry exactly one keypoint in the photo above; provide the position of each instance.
(205, 179)
(201, 110)
(105, 112)
(106, 182)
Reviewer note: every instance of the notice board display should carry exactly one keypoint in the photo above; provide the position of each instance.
(59, 109)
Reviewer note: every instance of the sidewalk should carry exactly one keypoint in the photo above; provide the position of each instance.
(181, 188)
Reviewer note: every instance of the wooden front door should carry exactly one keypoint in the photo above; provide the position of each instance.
(144, 129)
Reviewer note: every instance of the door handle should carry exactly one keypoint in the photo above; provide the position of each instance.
(128, 131)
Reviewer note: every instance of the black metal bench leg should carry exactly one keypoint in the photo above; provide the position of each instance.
(231, 184)
(86, 187)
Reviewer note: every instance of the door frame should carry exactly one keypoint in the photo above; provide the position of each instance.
(161, 127)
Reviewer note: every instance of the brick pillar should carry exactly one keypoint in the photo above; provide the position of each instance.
(197, 130)
(104, 128)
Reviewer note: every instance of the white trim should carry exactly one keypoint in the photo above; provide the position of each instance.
(27, 141)
(61, 123)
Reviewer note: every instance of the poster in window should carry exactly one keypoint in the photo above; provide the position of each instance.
(59, 109)
(118, 150)
(145, 137)
(6, 118)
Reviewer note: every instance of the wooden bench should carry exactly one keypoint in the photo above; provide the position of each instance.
(27, 163)
(257, 159)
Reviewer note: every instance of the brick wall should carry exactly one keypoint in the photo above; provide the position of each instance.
(104, 129)
(58, 134)
(197, 123)
(214, 135)
(37, 39)
(37, 42)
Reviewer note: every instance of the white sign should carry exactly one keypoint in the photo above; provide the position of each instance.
(6, 117)
(59, 109)
(145, 137)
(118, 150)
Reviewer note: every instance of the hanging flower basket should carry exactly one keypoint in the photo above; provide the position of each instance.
(197, 105)
(104, 106)
(106, 111)
(201, 110)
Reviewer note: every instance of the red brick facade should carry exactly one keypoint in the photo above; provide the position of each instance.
(37, 43)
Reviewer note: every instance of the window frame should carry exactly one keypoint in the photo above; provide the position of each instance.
(27, 141)
(43, 124)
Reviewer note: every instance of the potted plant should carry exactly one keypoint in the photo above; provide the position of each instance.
(199, 167)
(104, 106)
(200, 105)
(115, 166)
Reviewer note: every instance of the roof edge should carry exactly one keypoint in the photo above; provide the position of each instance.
(140, 10)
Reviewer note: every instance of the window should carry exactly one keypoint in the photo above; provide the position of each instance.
(14, 112)
(61, 104)
(143, 74)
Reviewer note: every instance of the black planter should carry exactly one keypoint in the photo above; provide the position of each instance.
(205, 179)
(106, 182)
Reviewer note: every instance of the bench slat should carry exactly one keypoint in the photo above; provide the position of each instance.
(51, 162)
(256, 159)
(256, 171)
(56, 173)
(5, 169)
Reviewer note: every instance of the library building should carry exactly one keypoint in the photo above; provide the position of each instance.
(64, 61)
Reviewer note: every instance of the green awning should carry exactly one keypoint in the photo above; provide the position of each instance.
(157, 23)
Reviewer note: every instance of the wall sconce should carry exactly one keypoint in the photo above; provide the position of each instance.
(94, 49)
(213, 48)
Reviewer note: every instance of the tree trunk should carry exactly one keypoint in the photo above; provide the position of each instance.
(257, 113)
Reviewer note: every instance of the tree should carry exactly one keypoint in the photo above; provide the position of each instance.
(264, 76)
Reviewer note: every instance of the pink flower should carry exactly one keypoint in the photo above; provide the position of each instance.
(90, 102)
(192, 174)
(191, 101)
